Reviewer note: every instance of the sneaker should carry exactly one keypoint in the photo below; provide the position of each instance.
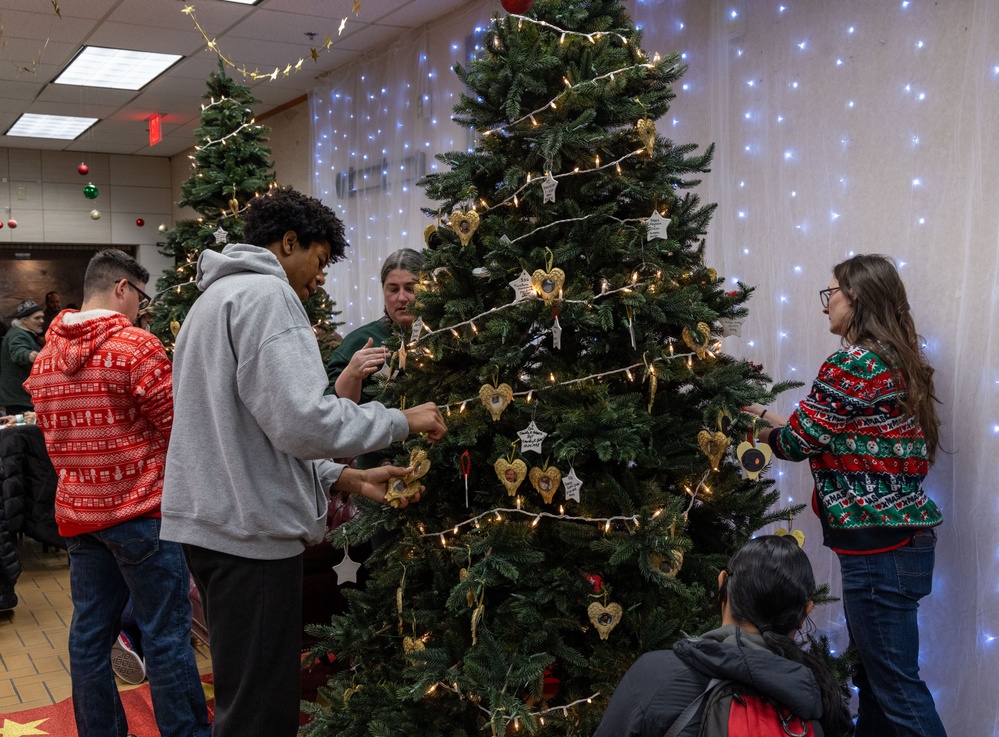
(8, 601)
(125, 662)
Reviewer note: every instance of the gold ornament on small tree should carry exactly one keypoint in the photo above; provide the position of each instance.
(698, 342)
(496, 398)
(408, 486)
(646, 128)
(546, 481)
(464, 223)
(713, 445)
(511, 473)
(605, 617)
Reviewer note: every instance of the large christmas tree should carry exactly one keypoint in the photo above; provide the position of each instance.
(229, 168)
(579, 510)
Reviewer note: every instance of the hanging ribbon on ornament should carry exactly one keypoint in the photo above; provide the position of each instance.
(466, 468)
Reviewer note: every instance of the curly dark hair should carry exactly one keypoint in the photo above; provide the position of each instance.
(282, 209)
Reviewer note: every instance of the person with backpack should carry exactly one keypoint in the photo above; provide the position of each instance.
(749, 677)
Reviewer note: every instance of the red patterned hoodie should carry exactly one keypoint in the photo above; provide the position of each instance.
(103, 393)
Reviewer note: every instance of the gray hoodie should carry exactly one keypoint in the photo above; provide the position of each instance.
(245, 473)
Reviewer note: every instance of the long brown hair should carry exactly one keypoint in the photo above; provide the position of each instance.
(882, 323)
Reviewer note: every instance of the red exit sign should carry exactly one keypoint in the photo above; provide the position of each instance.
(155, 129)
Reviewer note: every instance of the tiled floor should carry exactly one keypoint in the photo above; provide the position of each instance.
(34, 658)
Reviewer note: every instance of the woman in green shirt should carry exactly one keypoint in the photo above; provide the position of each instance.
(362, 353)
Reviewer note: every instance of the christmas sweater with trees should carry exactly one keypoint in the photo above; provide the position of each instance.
(104, 397)
(867, 457)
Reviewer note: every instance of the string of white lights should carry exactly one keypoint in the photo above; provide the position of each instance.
(591, 37)
(569, 87)
(624, 370)
(226, 137)
(534, 298)
(575, 172)
(500, 511)
(540, 714)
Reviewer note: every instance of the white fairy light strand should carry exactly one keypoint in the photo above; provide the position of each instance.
(575, 172)
(591, 37)
(226, 137)
(533, 298)
(569, 88)
(499, 511)
(564, 708)
(625, 370)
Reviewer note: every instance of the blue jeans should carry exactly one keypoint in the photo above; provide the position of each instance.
(881, 594)
(105, 568)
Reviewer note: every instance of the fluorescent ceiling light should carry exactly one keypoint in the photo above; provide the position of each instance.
(50, 126)
(120, 69)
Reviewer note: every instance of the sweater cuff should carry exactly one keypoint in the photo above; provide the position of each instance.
(329, 473)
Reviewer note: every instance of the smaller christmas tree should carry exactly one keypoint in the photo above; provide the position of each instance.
(231, 167)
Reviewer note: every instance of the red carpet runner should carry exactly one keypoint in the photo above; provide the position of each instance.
(57, 720)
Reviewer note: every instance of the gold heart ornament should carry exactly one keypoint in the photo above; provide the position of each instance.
(753, 458)
(713, 445)
(698, 342)
(548, 283)
(412, 644)
(496, 398)
(464, 223)
(647, 133)
(605, 618)
(546, 482)
(408, 486)
(798, 535)
(511, 474)
(665, 566)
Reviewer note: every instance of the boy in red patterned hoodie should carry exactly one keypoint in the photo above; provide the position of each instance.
(103, 393)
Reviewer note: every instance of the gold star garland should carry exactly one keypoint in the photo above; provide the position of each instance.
(256, 74)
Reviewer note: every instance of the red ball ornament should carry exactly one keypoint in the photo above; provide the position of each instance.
(83, 169)
(11, 223)
(1, 223)
(140, 222)
(517, 6)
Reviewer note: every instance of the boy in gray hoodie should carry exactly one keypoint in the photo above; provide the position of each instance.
(247, 474)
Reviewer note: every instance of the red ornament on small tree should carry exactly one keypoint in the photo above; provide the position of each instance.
(83, 169)
(11, 223)
(517, 6)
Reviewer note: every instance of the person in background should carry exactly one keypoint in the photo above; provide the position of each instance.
(247, 477)
(869, 430)
(765, 594)
(53, 306)
(18, 351)
(102, 384)
(361, 354)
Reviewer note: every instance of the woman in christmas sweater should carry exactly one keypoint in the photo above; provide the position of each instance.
(869, 430)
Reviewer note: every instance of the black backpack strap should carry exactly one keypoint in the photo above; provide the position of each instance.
(687, 714)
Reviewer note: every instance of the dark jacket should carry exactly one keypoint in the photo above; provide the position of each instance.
(10, 565)
(661, 684)
(28, 485)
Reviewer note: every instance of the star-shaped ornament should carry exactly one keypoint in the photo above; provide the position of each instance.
(548, 187)
(343, 24)
(656, 225)
(572, 485)
(522, 287)
(531, 438)
(221, 236)
(346, 569)
(556, 334)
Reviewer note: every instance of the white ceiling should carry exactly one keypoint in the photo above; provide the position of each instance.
(37, 43)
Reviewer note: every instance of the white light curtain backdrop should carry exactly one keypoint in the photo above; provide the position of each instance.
(376, 126)
(841, 127)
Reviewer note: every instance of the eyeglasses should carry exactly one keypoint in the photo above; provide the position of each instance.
(826, 294)
(144, 299)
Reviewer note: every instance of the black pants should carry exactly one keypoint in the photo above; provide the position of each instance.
(254, 613)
